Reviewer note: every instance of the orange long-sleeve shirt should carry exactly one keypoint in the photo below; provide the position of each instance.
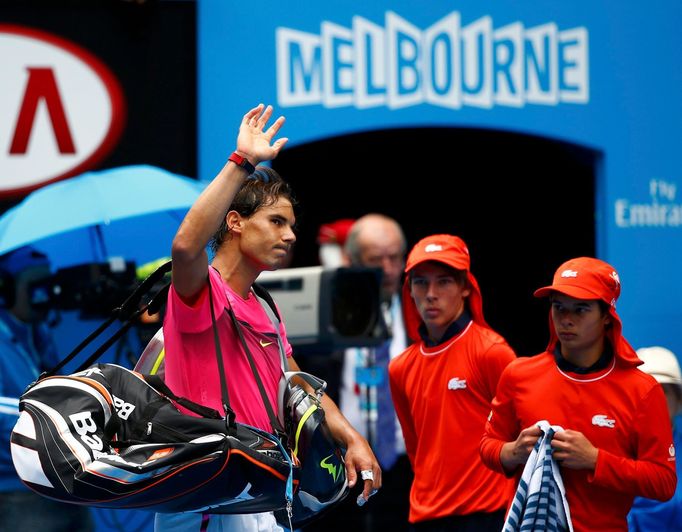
(442, 396)
(621, 410)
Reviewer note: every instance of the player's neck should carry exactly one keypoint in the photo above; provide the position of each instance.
(583, 357)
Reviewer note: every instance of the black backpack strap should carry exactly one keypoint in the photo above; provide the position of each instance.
(128, 311)
(268, 304)
(159, 299)
(274, 421)
(111, 427)
(262, 293)
(229, 413)
(277, 427)
(157, 383)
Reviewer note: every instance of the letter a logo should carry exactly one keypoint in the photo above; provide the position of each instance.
(62, 109)
(41, 86)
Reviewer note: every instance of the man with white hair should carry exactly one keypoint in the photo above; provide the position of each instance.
(376, 241)
(648, 514)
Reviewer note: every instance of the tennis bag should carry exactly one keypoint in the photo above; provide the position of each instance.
(322, 477)
(111, 437)
(322, 474)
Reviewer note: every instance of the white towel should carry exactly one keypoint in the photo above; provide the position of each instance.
(540, 501)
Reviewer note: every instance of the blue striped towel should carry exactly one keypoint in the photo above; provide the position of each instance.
(540, 501)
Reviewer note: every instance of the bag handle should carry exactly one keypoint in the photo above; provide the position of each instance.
(128, 311)
(318, 385)
(157, 383)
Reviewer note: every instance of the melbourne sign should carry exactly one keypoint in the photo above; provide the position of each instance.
(447, 65)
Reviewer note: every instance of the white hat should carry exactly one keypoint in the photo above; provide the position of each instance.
(660, 363)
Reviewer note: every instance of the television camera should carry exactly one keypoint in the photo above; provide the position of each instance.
(328, 308)
(323, 308)
(92, 289)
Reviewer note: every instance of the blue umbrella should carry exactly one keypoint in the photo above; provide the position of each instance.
(130, 212)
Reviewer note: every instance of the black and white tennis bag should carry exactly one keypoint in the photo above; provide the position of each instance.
(111, 437)
(322, 474)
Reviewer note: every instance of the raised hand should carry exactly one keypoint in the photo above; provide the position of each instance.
(254, 142)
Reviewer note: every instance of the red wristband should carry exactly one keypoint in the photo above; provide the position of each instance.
(242, 161)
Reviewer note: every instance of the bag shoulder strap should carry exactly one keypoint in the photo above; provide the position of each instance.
(229, 413)
(157, 383)
(274, 421)
(127, 312)
(268, 304)
(263, 295)
(318, 385)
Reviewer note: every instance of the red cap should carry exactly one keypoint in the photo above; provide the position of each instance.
(585, 278)
(591, 279)
(448, 249)
(335, 232)
(451, 251)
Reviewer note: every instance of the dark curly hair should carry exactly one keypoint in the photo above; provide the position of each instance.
(262, 188)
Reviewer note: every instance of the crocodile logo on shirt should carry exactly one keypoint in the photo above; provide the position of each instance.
(457, 384)
(600, 420)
